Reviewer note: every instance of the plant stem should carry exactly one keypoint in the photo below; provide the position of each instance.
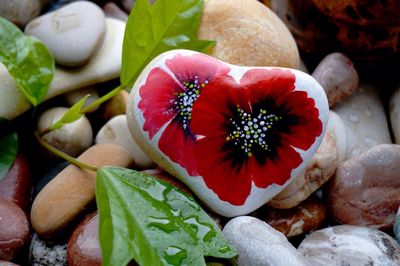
(63, 155)
(102, 99)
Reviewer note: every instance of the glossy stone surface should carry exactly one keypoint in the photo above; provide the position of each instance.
(350, 245)
(14, 229)
(161, 136)
(366, 189)
(306, 217)
(259, 244)
(16, 186)
(72, 33)
(83, 246)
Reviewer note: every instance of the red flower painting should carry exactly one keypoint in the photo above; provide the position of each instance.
(167, 99)
(248, 132)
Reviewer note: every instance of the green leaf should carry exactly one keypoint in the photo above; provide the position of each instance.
(154, 29)
(73, 114)
(153, 222)
(28, 61)
(8, 150)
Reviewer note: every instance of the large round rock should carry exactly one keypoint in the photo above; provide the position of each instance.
(366, 189)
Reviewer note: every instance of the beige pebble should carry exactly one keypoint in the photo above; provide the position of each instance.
(116, 105)
(75, 96)
(71, 191)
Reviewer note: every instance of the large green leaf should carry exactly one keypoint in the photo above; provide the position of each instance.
(154, 29)
(153, 222)
(28, 61)
(8, 150)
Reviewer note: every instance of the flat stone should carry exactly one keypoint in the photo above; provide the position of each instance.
(350, 245)
(72, 33)
(364, 118)
(20, 12)
(42, 252)
(104, 65)
(14, 229)
(366, 189)
(259, 244)
(72, 191)
(321, 167)
(304, 218)
(16, 186)
(116, 131)
(83, 246)
(337, 76)
(395, 114)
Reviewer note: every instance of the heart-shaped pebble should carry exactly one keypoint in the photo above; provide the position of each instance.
(235, 135)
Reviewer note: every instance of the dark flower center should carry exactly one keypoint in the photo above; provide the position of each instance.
(183, 102)
(250, 131)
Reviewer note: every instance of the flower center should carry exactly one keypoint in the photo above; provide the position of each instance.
(184, 101)
(250, 131)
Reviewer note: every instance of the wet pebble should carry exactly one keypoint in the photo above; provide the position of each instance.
(365, 121)
(337, 76)
(350, 245)
(14, 229)
(116, 131)
(72, 33)
(321, 167)
(16, 186)
(306, 217)
(260, 244)
(83, 246)
(42, 253)
(366, 189)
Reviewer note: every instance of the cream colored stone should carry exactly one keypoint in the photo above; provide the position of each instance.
(116, 131)
(247, 33)
(337, 131)
(75, 96)
(322, 166)
(103, 66)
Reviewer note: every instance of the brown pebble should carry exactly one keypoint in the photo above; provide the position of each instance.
(73, 190)
(304, 218)
(366, 189)
(116, 105)
(16, 186)
(337, 76)
(14, 229)
(83, 246)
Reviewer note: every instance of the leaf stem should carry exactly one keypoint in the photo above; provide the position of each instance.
(102, 99)
(63, 155)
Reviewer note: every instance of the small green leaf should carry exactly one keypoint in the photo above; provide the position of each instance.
(28, 61)
(153, 222)
(73, 114)
(8, 150)
(154, 29)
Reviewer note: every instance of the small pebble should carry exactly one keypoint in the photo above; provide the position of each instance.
(306, 217)
(83, 246)
(74, 96)
(366, 189)
(113, 11)
(350, 245)
(72, 138)
(321, 167)
(42, 253)
(20, 12)
(116, 131)
(14, 229)
(260, 244)
(72, 33)
(16, 186)
(116, 105)
(365, 121)
(337, 76)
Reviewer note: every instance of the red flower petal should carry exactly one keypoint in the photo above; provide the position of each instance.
(156, 100)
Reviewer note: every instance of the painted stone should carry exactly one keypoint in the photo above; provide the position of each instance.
(235, 135)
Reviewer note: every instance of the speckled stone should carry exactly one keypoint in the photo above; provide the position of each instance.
(365, 120)
(259, 244)
(337, 76)
(43, 253)
(350, 245)
(366, 189)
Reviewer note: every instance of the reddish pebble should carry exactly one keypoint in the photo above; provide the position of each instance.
(16, 186)
(14, 229)
(83, 246)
